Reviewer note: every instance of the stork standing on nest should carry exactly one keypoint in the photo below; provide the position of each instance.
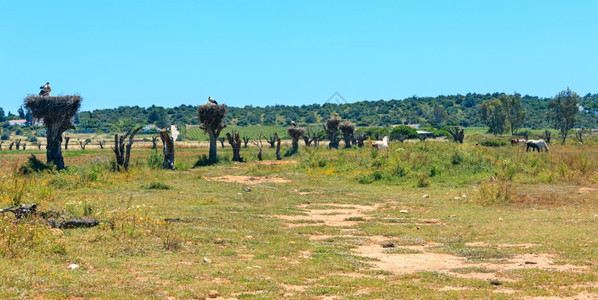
(212, 100)
(293, 124)
(45, 89)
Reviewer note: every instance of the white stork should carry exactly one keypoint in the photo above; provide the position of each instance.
(45, 89)
(212, 100)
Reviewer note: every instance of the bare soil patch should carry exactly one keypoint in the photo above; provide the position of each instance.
(250, 180)
(441, 262)
(340, 215)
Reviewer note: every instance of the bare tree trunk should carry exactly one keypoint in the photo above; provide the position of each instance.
(272, 140)
(222, 139)
(18, 144)
(235, 141)
(83, 144)
(547, 133)
(25, 146)
(258, 143)
(101, 144)
(53, 149)
(39, 146)
(579, 136)
(458, 134)
(213, 146)
(66, 142)
(123, 153)
(1, 145)
(155, 141)
(245, 141)
(10, 146)
(168, 149)
(277, 147)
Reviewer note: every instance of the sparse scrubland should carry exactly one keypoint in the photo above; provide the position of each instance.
(430, 219)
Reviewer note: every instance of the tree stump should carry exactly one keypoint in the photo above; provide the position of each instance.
(11, 144)
(235, 141)
(167, 149)
(272, 140)
(18, 144)
(155, 142)
(57, 113)
(122, 152)
(101, 143)
(222, 140)
(66, 142)
(258, 143)
(308, 137)
(245, 141)
(360, 137)
(458, 134)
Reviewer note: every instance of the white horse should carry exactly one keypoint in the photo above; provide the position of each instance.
(380, 145)
(536, 145)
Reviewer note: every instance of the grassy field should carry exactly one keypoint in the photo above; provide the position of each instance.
(425, 220)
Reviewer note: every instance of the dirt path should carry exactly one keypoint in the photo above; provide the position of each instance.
(419, 258)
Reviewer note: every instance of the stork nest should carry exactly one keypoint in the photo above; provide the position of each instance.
(211, 116)
(347, 129)
(296, 132)
(332, 124)
(54, 110)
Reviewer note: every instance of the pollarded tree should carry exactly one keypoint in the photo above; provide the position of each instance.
(332, 132)
(347, 130)
(495, 116)
(210, 119)
(563, 109)
(57, 113)
(296, 133)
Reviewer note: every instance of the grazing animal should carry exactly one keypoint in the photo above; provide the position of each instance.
(514, 141)
(212, 100)
(45, 89)
(536, 145)
(380, 145)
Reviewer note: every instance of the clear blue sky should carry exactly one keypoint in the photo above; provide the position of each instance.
(259, 53)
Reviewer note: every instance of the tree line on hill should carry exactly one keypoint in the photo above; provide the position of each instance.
(456, 110)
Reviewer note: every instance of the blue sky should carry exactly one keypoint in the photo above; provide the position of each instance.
(261, 53)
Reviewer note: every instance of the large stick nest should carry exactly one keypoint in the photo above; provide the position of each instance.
(347, 128)
(332, 124)
(54, 110)
(211, 116)
(296, 132)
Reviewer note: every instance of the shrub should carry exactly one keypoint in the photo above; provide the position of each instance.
(156, 185)
(402, 133)
(5, 136)
(204, 160)
(34, 165)
(493, 193)
(423, 180)
(155, 161)
(493, 143)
